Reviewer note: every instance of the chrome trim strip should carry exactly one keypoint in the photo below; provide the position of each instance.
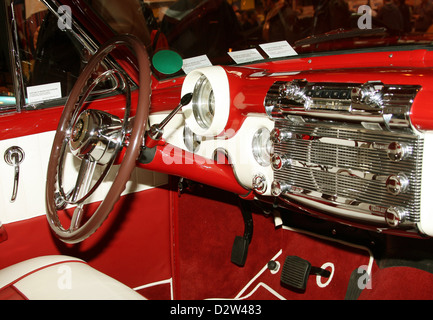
(344, 207)
(15, 58)
(340, 171)
(342, 142)
(344, 211)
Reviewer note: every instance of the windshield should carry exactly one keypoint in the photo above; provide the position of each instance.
(210, 32)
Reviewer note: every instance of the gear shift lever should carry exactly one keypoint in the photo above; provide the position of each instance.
(156, 131)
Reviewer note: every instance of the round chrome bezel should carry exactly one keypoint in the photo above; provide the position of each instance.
(262, 147)
(191, 140)
(203, 102)
(211, 93)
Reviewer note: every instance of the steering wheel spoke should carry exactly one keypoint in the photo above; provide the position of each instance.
(77, 217)
(84, 181)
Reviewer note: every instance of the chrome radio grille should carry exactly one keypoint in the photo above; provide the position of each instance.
(346, 163)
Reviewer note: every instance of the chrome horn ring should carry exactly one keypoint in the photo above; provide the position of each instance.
(95, 137)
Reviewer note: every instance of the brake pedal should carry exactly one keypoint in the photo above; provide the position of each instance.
(296, 271)
(241, 243)
(239, 251)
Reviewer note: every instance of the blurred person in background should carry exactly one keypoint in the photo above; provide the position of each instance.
(330, 15)
(406, 14)
(389, 14)
(423, 14)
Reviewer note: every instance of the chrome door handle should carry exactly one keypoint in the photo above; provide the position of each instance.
(13, 157)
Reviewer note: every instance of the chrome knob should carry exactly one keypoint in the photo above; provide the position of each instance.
(259, 183)
(295, 90)
(394, 216)
(291, 90)
(397, 151)
(280, 135)
(279, 187)
(369, 93)
(280, 161)
(397, 183)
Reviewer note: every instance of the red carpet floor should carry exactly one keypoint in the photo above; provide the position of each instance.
(206, 231)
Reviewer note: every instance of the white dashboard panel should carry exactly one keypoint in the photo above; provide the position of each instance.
(238, 147)
(30, 201)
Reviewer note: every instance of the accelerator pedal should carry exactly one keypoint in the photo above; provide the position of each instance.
(296, 270)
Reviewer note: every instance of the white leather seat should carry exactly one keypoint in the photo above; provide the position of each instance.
(60, 278)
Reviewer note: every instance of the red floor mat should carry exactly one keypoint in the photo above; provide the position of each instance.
(400, 283)
(340, 259)
(207, 229)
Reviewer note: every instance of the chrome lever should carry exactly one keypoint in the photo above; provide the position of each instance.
(156, 131)
(13, 157)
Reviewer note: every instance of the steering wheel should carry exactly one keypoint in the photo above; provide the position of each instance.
(95, 138)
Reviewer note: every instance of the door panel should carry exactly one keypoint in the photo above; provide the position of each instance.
(30, 200)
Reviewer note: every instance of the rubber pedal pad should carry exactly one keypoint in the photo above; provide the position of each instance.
(295, 272)
(239, 251)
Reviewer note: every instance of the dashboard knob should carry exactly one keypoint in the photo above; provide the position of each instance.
(397, 183)
(259, 183)
(397, 151)
(369, 93)
(279, 135)
(280, 161)
(291, 90)
(279, 187)
(394, 216)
